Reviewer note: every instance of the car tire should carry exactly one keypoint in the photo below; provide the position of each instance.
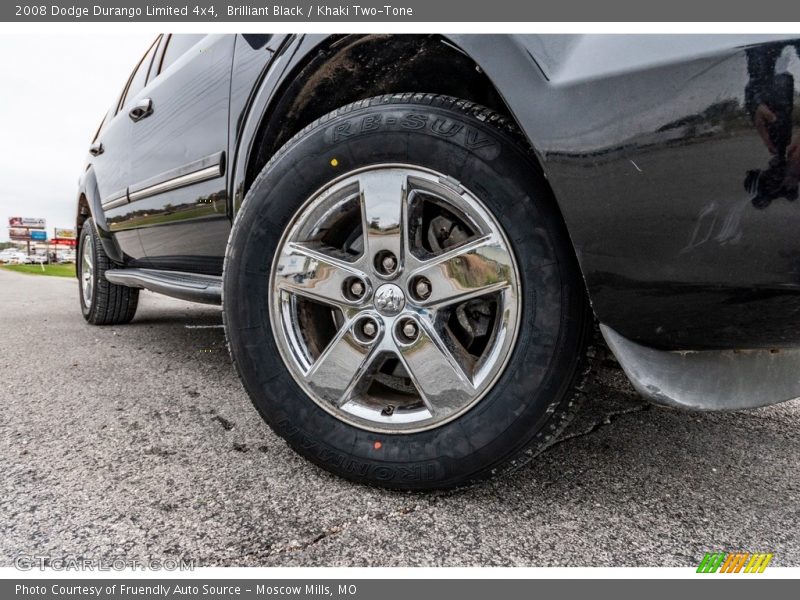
(102, 302)
(455, 155)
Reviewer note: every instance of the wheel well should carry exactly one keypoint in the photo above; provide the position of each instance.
(83, 213)
(351, 68)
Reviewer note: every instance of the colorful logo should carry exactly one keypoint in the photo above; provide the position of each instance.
(724, 562)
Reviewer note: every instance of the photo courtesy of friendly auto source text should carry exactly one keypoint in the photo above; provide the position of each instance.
(393, 294)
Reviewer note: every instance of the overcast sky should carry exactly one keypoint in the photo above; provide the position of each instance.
(54, 90)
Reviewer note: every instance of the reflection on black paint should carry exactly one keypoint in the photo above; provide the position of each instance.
(769, 98)
(208, 205)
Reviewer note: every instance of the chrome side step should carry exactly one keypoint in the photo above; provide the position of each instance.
(186, 286)
(708, 379)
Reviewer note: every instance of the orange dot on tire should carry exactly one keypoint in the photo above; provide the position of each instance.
(377, 445)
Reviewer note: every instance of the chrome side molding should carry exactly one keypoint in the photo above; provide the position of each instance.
(114, 200)
(209, 167)
(211, 172)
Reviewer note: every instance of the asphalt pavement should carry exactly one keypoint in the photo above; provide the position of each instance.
(138, 441)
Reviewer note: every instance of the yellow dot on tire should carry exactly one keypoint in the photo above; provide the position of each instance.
(334, 162)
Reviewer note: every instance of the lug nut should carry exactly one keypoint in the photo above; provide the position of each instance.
(385, 262)
(357, 288)
(422, 288)
(365, 331)
(353, 289)
(389, 263)
(407, 330)
(369, 329)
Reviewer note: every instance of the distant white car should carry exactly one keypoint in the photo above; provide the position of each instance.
(12, 257)
(34, 259)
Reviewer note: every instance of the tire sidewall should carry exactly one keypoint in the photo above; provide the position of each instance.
(87, 237)
(489, 163)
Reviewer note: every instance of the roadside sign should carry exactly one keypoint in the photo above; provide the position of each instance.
(38, 235)
(61, 233)
(26, 222)
(19, 234)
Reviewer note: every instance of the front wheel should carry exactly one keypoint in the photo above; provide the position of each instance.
(102, 302)
(400, 297)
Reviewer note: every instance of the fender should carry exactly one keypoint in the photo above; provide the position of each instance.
(533, 73)
(291, 55)
(294, 50)
(288, 55)
(87, 187)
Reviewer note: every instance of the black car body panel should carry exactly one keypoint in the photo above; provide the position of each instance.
(648, 161)
(678, 193)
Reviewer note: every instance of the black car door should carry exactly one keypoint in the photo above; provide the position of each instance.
(110, 159)
(177, 183)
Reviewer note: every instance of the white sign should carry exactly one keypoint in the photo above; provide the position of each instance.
(26, 222)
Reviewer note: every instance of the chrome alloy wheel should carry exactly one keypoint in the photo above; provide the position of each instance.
(87, 271)
(395, 298)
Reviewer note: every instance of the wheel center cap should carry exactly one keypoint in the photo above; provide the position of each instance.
(389, 299)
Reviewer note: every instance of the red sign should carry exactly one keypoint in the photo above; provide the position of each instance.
(64, 242)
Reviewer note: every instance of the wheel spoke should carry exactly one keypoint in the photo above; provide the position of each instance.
(468, 271)
(438, 376)
(383, 211)
(87, 288)
(87, 271)
(310, 272)
(339, 369)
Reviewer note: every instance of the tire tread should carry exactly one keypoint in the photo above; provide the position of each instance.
(113, 304)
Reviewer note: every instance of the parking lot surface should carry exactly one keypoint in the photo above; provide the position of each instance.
(138, 441)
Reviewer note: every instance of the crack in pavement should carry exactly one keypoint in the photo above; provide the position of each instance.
(607, 419)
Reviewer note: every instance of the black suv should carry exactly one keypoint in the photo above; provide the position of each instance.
(406, 232)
